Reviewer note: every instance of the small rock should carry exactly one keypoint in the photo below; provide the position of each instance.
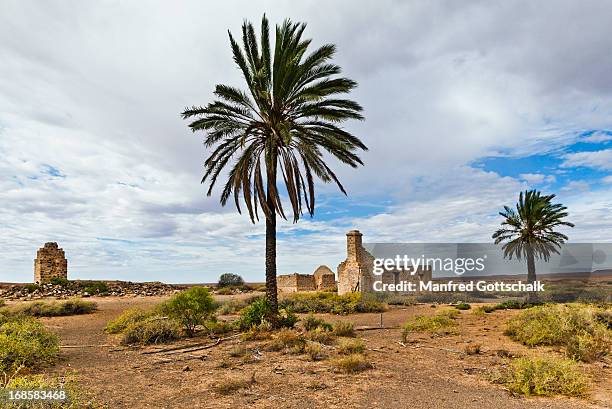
(186, 369)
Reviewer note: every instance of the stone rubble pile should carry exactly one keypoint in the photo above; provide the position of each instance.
(86, 289)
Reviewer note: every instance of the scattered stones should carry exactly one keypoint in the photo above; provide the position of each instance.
(81, 288)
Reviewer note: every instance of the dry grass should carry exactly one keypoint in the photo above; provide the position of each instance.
(352, 363)
(575, 327)
(344, 329)
(472, 349)
(351, 346)
(544, 377)
(230, 386)
(314, 351)
(442, 323)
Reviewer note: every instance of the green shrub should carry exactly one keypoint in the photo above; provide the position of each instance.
(95, 288)
(463, 306)
(30, 288)
(127, 318)
(259, 312)
(440, 324)
(351, 346)
(191, 308)
(235, 306)
(575, 327)
(311, 322)
(2, 302)
(63, 282)
(545, 377)
(352, 363)
(52, 309)
(322, 301)
(218, 327)
(230, 280)
(344, 329)
(153, 330)
(24, 341)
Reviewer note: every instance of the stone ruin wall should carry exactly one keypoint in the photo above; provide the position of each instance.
(50, 263)
(356, 273)
(291, 283)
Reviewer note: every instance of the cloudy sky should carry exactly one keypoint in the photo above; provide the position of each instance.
(466, 104)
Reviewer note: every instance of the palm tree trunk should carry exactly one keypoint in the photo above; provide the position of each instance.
(271, 290)
(531, 273)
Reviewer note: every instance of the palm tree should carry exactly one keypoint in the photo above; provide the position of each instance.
(280, 128)
(529, 232)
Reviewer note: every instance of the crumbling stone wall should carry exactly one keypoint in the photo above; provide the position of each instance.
(291, 283)
(356, 273)
(324, 278)
(50, 262)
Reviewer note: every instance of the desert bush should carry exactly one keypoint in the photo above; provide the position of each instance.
(153, 330)
(573, 326)
(544, 377)
(604, 317)
(463, 306)
(344, 329)
(472, 349)
(62, 282)
(24, 342)
(218, 327)
(54, 308)
(127, 318)
(322, 301)
(230, 280)
(314, 351)
(352, 363)
(442, 323)
(286, 339)
(351, 346)
(311, 322)
(321, 336)
(235, 306)
(30, 288)
(95, 287)
(260, 311)
(191, 308)
(238, 351)
(2, 302)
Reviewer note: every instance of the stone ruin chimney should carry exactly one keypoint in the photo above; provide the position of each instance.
(50, 262)
(354, 272)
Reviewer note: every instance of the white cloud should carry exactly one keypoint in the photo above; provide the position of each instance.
(598, 137)
(607, 179)
(537, 178)
(601, 159)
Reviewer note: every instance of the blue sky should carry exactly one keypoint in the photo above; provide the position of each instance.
(465, 107)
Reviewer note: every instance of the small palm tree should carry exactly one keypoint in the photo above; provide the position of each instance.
(279, 128)
(529, 232)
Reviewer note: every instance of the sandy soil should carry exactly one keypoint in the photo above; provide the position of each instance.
(426, 373)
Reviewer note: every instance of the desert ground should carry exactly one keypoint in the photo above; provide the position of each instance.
(425, 372)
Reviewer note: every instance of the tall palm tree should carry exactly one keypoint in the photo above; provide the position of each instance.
(529, 232)
(279, 128)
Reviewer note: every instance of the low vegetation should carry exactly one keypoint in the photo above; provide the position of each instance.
(25, 344)
(575, 327)
(152, 330)
(260, 312)
(352, 363)
(343, 329)
(544, 377)
(442, 323)
(330, 302)
(51, 309)
(463, 306)
(235, 306)
(190, 308)
(126, 319)
(75, 397)
(351, 346)
(230, 386)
